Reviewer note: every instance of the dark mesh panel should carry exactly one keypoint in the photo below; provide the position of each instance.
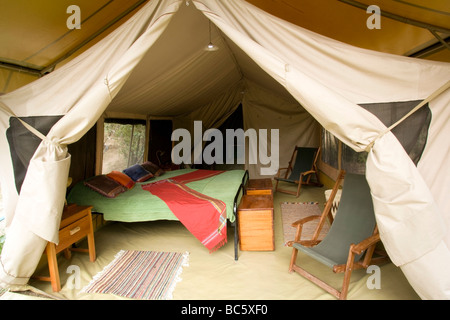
(412, 133)
(23, 143)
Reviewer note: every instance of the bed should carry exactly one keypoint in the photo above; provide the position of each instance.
(138, 204)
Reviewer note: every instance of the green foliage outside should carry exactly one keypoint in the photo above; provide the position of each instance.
(123, 145)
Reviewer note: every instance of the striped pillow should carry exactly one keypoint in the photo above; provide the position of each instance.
(122, 178)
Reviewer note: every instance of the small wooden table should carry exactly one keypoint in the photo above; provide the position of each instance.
(255, 221)
(259, 187)
(76, 223)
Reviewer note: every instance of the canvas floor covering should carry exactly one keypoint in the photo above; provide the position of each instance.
(217, 276)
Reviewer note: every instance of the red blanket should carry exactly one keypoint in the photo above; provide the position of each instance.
(203, 216)
(195, 175)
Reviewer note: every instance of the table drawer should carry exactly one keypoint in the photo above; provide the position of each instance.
(73, 233)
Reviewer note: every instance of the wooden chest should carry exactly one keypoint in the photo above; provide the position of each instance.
(255, 223)
(259, 187)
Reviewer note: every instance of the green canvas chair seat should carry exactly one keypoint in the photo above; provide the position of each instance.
(301, 168)
(352, 233)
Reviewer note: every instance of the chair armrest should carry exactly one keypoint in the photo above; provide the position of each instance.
(299, 225)
(363, 245)
(305, 220)
(305, 243)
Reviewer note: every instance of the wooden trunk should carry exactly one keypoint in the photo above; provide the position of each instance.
(259, 187)
(255, 221)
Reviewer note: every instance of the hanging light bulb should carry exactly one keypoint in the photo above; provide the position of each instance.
(211, 46)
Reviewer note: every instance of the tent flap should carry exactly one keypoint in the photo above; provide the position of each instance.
(79, 90)
(155, 65)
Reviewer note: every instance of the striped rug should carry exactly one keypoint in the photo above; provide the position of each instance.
(146, 275)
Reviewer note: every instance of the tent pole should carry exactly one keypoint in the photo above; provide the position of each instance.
(131, 144)
(440, 39)
(19, 68)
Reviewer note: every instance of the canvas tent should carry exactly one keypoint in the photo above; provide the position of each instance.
(316, 79)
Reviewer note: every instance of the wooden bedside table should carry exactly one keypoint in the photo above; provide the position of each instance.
(259, 187)
(76, 223)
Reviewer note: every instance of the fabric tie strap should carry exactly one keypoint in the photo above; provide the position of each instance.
(26, 125)
(420, 105)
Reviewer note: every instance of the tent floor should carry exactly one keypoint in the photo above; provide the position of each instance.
(217, 276)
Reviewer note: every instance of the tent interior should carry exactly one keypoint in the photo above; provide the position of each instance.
(178, 82)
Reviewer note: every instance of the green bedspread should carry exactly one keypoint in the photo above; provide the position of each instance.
(139, 205)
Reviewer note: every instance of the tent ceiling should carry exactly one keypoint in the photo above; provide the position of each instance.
(193, 76)
(35, 35)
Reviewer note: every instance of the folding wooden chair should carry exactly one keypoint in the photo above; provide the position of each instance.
(302, 166)
(351, 240)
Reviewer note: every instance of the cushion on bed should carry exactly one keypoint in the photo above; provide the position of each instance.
(138, 173)
(121, 178)
(105, 186)
(153, 168)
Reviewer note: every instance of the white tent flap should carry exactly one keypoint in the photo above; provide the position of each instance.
(78, 89)
(324, 81)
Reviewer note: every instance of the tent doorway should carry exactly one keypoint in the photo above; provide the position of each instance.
(160, 143)
(233, 122)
